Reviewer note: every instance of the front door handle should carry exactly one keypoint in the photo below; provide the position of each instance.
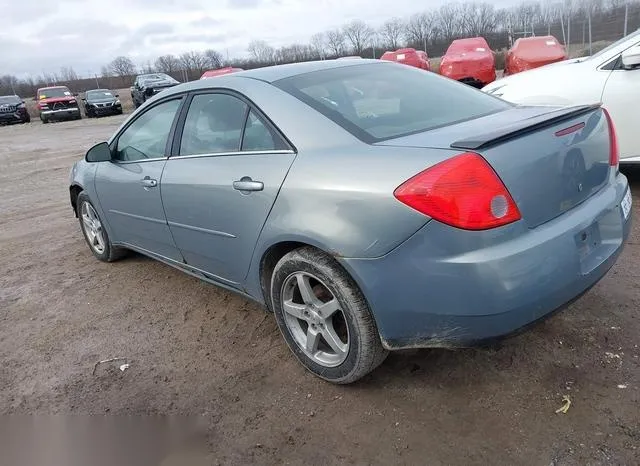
(246, 184)
(148, 182)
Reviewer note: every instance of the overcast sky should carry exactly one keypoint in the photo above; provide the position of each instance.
(44, 35)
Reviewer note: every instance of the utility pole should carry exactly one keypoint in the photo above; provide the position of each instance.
(590, 51)
(97, 83)
(626, 17)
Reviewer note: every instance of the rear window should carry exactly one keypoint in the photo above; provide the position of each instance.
(381, 101)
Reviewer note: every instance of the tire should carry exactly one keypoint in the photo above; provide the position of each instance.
(352, 322)
(44, 120)
(106, 253)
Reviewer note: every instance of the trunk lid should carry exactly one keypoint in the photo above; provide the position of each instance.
(550, 159)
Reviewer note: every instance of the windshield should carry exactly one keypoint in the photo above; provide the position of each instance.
(54, 92)
(616, 44)
(389, 100)
(9, 99)
(100, 94)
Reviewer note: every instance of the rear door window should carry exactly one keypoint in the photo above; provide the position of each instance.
(386, 100)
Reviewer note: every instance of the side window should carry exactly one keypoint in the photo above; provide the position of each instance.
(259, 136)
(214, 124)
(146, 137)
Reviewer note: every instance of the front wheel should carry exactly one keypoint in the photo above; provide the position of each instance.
(94, 232)
(324, 318)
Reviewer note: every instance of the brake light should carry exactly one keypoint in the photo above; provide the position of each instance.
(463, 191)
(614, 150)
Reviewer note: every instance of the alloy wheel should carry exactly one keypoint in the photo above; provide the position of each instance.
(315, 319)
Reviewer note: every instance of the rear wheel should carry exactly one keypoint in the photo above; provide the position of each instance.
(324, 317)
(94, 233)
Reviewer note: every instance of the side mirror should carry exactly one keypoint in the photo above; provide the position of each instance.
(149, 92)
(99, 153)
(631, 57)
(117, 95)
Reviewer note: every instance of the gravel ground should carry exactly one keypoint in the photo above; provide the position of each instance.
(195, 349)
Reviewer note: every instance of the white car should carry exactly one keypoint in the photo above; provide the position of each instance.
(611, 76)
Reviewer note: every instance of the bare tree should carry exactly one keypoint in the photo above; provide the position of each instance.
(212, 59)
(478, 19)
(167, 64)
(318, 43)
(193, 61)
(122, 67)
(449, 21)
(358, 34)
(261, 51)
(336, 42)
(67, 73)
(420, 29)
(391, 32)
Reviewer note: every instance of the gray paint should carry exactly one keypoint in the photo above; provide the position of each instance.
(427, 284)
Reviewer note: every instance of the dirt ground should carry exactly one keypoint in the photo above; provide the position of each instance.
(194, 349)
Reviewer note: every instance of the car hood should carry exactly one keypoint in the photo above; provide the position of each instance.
(53, 100)
(545, 73)
(163, 83)
(102, 101)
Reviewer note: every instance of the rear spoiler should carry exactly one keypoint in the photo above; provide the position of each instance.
(522, 127)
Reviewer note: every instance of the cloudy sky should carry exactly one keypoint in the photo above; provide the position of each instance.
(44, 35)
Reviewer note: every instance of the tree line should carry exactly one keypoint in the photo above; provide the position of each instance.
(432, 31)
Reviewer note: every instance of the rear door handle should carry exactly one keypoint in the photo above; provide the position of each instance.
(246, 184)
(148, 182)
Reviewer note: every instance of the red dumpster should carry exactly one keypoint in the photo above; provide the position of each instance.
(532, 52)
(470, 61)
(412, 57)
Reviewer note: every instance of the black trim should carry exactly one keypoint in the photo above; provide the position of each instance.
(522, 127)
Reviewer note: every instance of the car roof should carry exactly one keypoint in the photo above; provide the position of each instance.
(99, 90)
(52, 87)
(274, 73)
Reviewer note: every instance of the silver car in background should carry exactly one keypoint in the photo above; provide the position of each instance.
(371, 206)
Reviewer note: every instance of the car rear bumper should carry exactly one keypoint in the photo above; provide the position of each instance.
(445, 287)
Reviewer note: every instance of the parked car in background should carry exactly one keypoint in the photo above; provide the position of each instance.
(13, 110)
(360, 227)
(219, 72)
(148, 85)
(528, 53)
(469, 61)
(100, 102)
(611, 76)
(57, 103)
(409, 56)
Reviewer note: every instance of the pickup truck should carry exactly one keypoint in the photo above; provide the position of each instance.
(57, 103)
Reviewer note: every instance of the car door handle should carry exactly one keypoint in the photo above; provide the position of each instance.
(247, 184)
(149, 182)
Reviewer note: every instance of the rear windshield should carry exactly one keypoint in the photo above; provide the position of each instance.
(381, 101)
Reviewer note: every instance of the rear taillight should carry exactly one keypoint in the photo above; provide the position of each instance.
(463, 191)
(614, 151)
